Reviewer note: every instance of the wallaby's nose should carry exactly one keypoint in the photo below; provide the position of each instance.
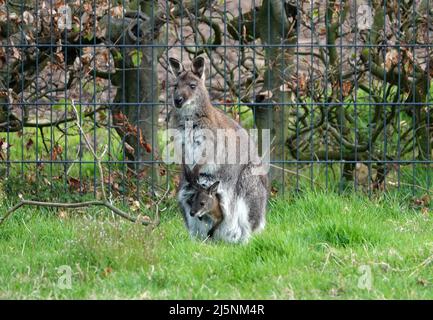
(192, 213)
(178, 102)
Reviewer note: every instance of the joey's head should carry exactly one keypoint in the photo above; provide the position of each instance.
(189, 90)
(204, 200)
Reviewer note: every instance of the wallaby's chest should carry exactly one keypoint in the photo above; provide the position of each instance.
(197, 146)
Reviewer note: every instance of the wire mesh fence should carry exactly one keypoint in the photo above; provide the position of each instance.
(343, 86)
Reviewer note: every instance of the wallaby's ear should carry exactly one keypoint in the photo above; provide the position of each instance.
(176, 67)
(213, 188)
(198, 67)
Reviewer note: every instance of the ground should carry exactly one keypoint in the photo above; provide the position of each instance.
(315, 246)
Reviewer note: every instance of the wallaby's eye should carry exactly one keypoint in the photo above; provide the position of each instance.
(192, 86)
(202, 203)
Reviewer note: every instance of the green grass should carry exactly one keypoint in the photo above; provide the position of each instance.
(313, 247)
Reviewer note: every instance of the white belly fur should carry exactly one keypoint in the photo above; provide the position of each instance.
(193, 151)
(235, 227)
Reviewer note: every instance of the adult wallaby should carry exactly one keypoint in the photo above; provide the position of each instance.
(206, 201)
(206, 135)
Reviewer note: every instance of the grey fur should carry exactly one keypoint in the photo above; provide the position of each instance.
(243, 195)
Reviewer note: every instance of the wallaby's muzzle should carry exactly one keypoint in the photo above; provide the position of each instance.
(178, 101)
(195, 213)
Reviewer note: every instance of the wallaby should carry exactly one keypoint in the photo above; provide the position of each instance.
(205, 201)
(242, 193)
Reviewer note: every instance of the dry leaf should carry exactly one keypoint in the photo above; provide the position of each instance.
(117, 11)
(74, 183)
(135, 206)
(346, 88)
(29, 144)
(266, 94)
(28, 17)
(391, 59)
(63, 214)
(107, 271)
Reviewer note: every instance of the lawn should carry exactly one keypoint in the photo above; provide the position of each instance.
(315, 246)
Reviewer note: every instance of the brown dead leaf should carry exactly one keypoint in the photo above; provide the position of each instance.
(145, 219)
(162, 171)
(62, 214)
(74, 184)
(424, 201)
(29, 144)
(148, 147)
(346, 88)
(297, 83)
(274, 191)
(56, 152)
(117, 11)
(4, 146)
(423, 282)
(60, 58)
(391, 59)
(120, 118)
(176, 181)
(31, 178)
(107, 271)
(135, 205)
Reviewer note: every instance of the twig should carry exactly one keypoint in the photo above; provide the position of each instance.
(92, 150)
(104, 203)
(393, 183)
(157, 219)
(423, 264)
(62, 121)
(115, 210)
(294, 173)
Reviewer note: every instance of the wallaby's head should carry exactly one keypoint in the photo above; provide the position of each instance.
(189, 89)
(204, 200)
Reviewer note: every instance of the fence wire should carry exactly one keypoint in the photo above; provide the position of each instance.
(343, 86)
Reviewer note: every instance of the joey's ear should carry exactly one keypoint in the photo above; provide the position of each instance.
(196, 170)
(176, 67)
(188, 174)
(198, 67)
(213, 188)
